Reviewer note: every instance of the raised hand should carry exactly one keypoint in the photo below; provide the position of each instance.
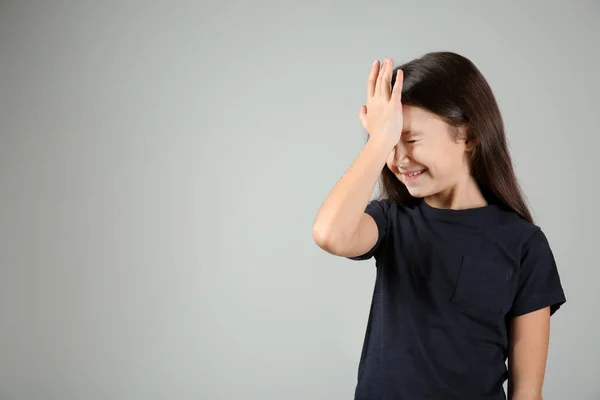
(382, 115)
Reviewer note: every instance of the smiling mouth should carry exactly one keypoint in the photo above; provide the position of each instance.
(412, 175)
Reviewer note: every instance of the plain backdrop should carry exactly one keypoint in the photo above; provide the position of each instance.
(161, 165)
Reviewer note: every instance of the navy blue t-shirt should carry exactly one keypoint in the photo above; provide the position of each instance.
(448, 282)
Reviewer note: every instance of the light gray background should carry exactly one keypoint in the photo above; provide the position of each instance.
(161, 165)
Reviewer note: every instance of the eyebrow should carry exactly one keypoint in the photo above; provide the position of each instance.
(411, 133)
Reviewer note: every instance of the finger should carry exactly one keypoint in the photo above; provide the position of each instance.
(397, 89)
(384, 86)
(372, 78)
(380, 77)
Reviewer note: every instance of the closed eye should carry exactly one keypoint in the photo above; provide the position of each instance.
(410, 141)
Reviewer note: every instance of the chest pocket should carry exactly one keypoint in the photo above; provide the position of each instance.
(483, 286)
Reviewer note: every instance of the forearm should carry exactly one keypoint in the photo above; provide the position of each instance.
(341, 211)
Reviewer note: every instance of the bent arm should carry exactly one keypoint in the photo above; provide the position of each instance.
(341, 226)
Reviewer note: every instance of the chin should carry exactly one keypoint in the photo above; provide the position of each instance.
(419, 192)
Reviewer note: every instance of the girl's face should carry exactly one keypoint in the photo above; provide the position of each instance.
(426, 159)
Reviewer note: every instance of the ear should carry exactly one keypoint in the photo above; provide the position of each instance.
(470, 144)
(470, 139)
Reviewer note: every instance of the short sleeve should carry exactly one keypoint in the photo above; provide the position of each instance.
(377, 209)
(539, 284)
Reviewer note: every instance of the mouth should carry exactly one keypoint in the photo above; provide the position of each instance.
(413, 175)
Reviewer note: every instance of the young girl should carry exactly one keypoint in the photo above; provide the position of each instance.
(465, 279)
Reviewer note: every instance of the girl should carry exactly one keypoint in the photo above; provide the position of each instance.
(464, 279)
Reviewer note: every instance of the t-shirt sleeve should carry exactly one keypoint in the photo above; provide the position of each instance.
(539, 284)
(377, 209)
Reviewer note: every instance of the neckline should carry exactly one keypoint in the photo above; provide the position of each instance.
(485, 212)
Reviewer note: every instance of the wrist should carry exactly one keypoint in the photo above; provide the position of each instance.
(381, 143)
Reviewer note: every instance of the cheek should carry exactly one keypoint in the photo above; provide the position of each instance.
(425, 156)
(390, 162)
(433, 158)
(444, 168)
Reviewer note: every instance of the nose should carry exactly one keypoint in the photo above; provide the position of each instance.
(400, 154)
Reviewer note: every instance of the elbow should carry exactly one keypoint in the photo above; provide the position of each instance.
(320, 235)
(324, 239)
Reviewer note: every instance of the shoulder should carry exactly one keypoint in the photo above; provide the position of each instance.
(509, 221)
(388, 214)
(390, 209)
(386, 206)
(538, 284)
(519, 235)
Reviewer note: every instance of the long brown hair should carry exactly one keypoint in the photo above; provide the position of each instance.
(450, 86)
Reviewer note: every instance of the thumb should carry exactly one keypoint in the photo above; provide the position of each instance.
(363, 116)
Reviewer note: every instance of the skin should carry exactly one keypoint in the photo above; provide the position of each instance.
(426, 143)
(528, 351)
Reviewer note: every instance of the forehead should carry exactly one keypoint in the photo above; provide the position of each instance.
(417, 121)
